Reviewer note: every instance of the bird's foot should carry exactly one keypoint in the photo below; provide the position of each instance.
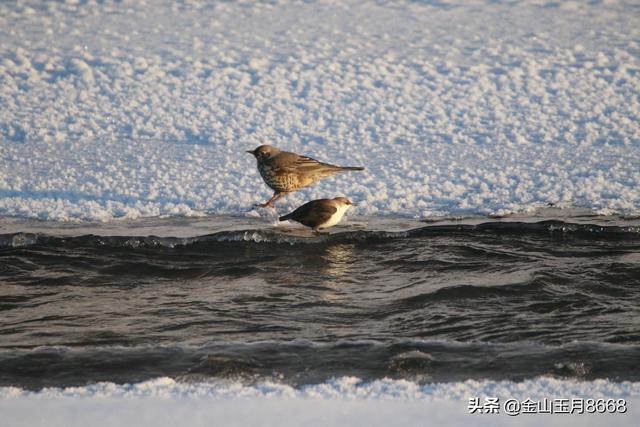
(271, 202)
(268, 204)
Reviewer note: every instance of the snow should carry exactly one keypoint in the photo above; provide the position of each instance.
(126, 109)
(341, 401)
(342, 388)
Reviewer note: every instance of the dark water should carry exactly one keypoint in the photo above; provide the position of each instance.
(434, 303)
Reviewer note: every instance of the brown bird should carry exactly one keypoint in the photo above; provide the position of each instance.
(285, 172)
(321, 213)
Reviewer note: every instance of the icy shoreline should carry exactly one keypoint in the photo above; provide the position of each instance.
(344, 400)
(341, 388)
(179, 231)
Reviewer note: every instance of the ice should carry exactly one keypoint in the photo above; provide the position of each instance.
(343, 388)
(341, 401)
(136, 109)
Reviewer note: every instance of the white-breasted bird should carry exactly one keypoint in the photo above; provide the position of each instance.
(320, 213)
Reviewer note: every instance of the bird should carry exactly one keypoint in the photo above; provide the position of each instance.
(320, 213)
(285, 172)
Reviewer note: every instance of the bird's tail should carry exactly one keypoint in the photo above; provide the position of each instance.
(285, 217)
(329, 169)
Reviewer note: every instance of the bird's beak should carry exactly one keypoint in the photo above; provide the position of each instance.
(251, 152)
(352, 204)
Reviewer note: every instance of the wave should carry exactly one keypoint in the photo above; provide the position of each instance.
(24, 239)
(302, 362)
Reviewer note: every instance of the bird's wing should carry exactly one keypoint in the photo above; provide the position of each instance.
(291, 162)
(299, 212)
(323, 212)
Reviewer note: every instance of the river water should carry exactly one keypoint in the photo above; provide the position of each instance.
(199, 299)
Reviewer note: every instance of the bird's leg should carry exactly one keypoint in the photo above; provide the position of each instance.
(271, 201)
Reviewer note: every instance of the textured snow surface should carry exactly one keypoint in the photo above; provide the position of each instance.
(343, 401)
(345, 388)
(141, 108)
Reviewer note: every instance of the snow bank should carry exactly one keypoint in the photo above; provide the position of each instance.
(128, 109)
(338, 402)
